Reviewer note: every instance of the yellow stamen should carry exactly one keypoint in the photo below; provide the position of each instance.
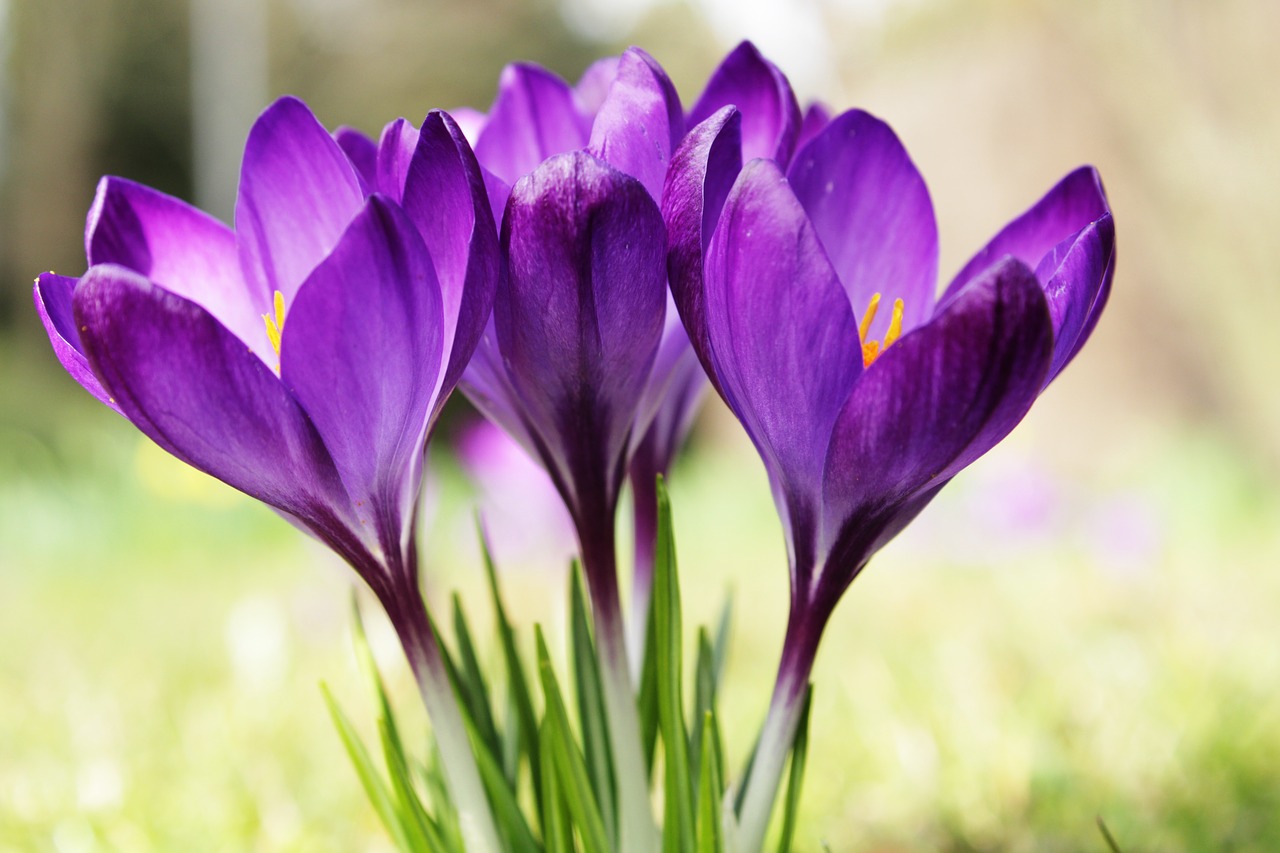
(871, 350)
(275, 325)
(869, 316)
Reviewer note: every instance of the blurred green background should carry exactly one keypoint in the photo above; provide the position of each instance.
(1084, 624)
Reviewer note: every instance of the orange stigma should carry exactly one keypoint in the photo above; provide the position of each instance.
(871, 349)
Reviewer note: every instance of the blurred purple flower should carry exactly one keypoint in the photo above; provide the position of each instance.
(860, 415)
(303, 357)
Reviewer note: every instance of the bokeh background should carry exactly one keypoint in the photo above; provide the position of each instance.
(1086, 624)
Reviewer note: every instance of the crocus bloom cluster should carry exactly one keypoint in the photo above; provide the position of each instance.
(862, 412)
(303, 357)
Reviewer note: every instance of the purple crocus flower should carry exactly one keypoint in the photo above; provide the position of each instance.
(303, 357)
(785, 274)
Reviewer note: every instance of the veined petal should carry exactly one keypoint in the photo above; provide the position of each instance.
(446, 199)
(579, 317)
(53, 298)
(640, 122)
(1076, 277)
(933, 402)
(701, 174)
(1075, 202)
(361, 353)
(363, 154)
(872, 212)
(534, 116)
(194, 388)
(395, 151)
(180, 248)
(784, 341)
(298, 193)
(761, 92)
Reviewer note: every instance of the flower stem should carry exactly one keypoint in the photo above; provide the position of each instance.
(479, 834)
(637, 832)
(804, 630)
(644, 496)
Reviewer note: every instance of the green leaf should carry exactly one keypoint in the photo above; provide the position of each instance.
(570, 766)
(522, 726)
(648, 695)
(1107, 836)
(502, 796)
(795, 777)
(420, 830)
(557, 834)
(591, 710)
(473, 680)
(374, 788)
(678, 818)
(704, 699)
(710, 788)
(723, 631)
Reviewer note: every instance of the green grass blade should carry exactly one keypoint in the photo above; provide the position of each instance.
(570, 766)
(704, 700)
(1107, 836)
(723, 631)
(795, 777)
(379, 797)
(502, 796)
(420, 831)
(522, 726)
(678, 819)
(591, 711)
(710, 788)
(648, 695)
(473, 679)
(557, 834)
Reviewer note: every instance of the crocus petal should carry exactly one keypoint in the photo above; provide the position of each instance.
(298, 193)
(53, 297)
(363, 154)
(873, 215)
(784, 340)
(1076, 276)
(470, 120)
(701, 174)
(191, 386)
(640, 122)
(361, 353)
(761, 92)
(580, 314)
(816, 117)
(182, 249)
(395, 151)
(933, 402)
(534, 116)
(593, 86)
(1076, 200)
(445, 197)
(488, 387)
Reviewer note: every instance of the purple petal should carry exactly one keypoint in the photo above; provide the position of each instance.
(533, 117)
(935, 401)
(298, 193)
(446, 199)
(753, 84)
(395, 152)
(593, 86)
(1076, 276)
(53, 297)
(783, 338)
(1077, 200)
(487, 386)
(640, 122)
(816, 117)
(701, 174)
(363, 154)
(579, 318)
(191, 386)
(182, 249)
(872, 213)
(471, 121)
(361, 353)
